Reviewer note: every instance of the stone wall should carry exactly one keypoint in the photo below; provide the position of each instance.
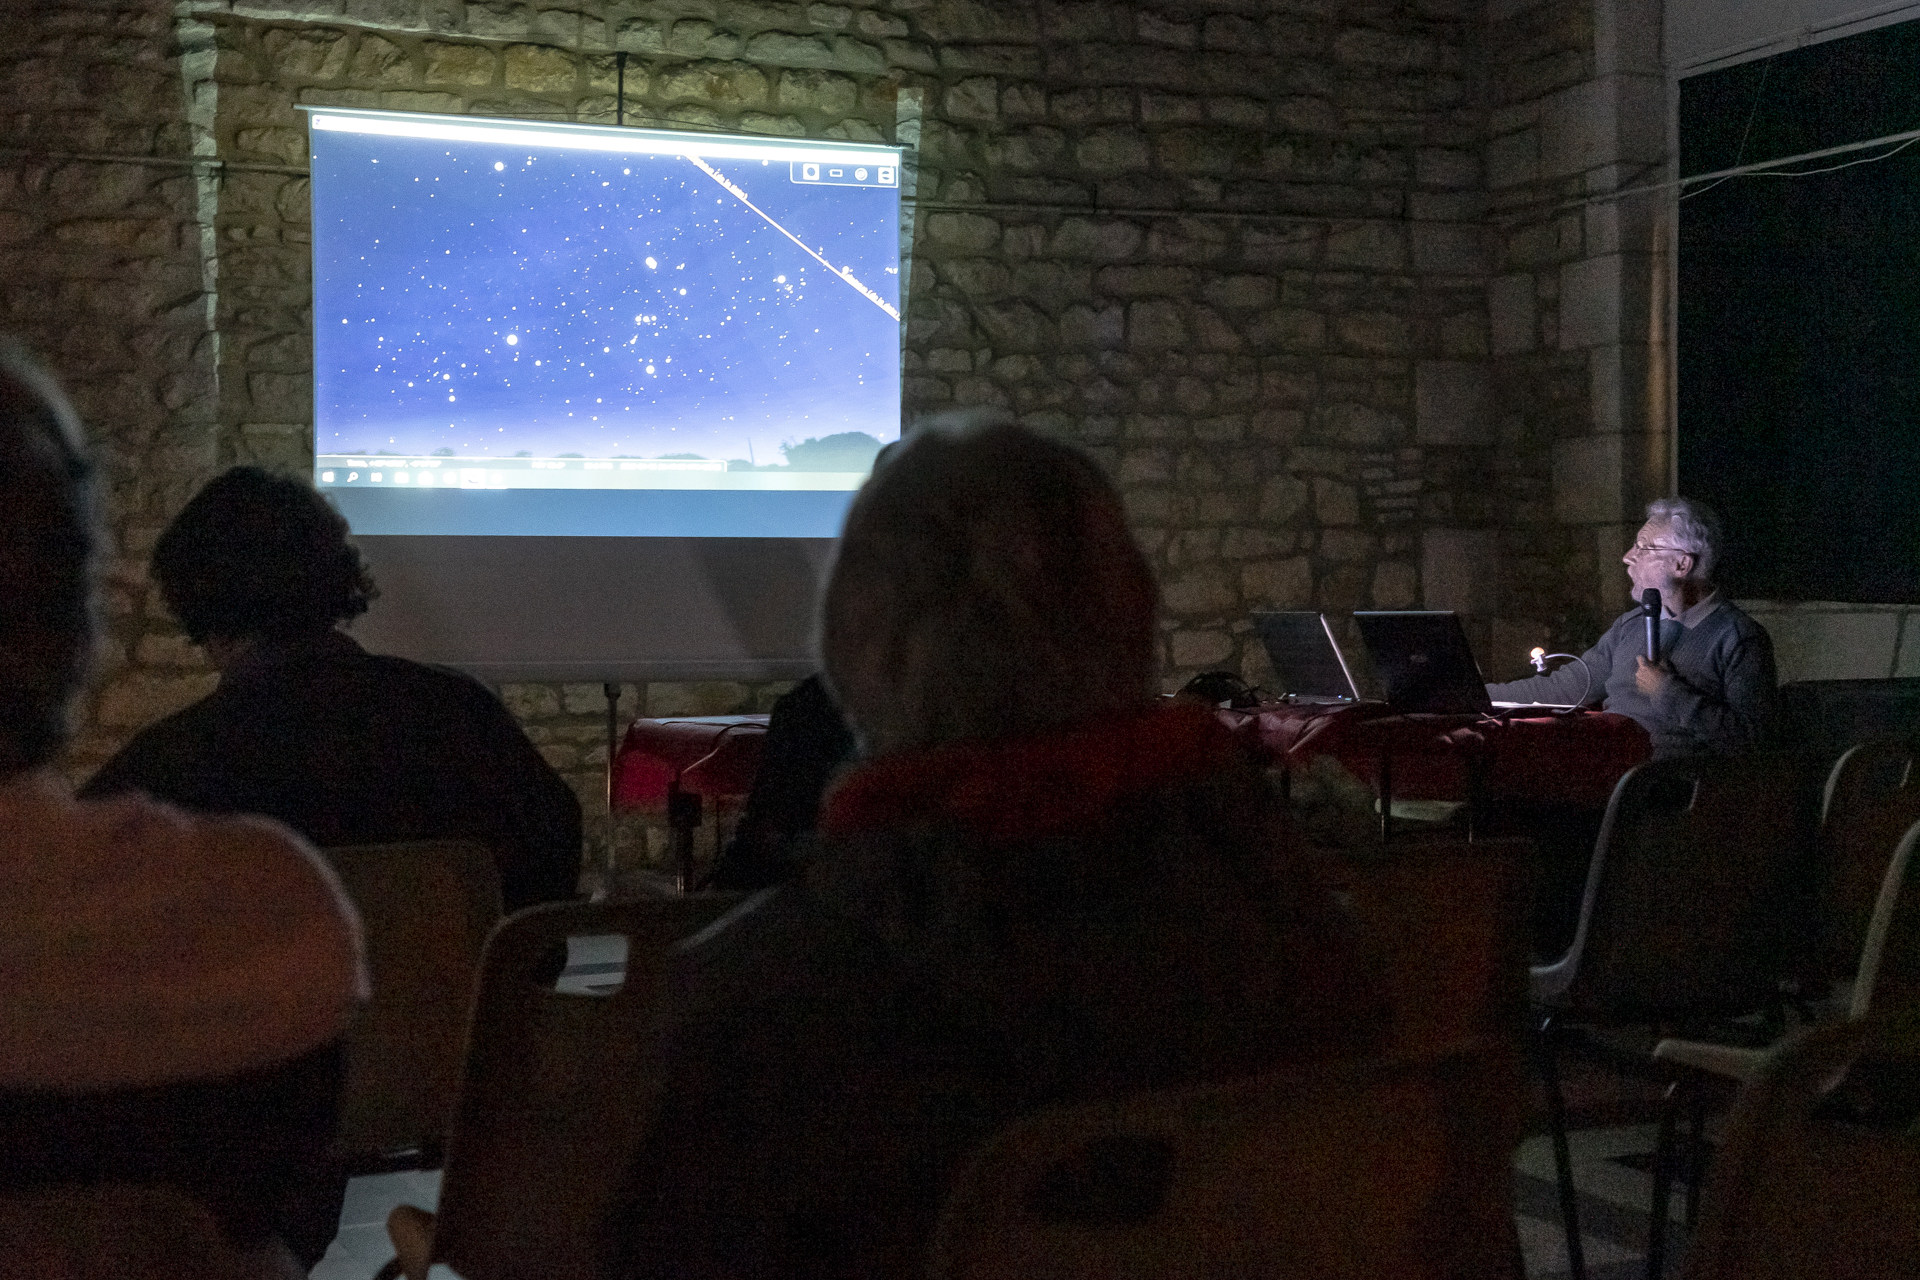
(1577, 108)
(1238, 250)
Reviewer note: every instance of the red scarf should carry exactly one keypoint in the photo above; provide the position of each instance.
(1026, 788)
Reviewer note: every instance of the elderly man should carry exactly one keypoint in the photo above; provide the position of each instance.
(1712, 688)
(176, 986)
(1041, 884)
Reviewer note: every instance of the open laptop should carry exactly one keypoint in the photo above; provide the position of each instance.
(1307, 662)
(1422, 661)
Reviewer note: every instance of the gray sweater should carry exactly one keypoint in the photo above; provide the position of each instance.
(1721, 696)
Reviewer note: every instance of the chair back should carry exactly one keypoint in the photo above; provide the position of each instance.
(1889, 976)
(558, 1089)
(1819, 1167)
(1872, 797)
(1699, 872)
(1444, 922)
(426, 907)
(1363, 1170)
(116, 1231)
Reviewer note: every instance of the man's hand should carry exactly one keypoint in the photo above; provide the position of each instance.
(1648, 678)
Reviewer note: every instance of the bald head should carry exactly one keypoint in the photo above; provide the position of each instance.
(46, 561)
(986, 586)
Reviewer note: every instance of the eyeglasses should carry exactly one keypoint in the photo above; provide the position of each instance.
(1642, 548)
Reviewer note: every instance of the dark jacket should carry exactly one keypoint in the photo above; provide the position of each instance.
(348, 747)
(982, 930)
(1720, 699)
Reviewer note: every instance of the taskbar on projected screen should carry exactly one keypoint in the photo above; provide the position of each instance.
(479, 512)
(389, 471)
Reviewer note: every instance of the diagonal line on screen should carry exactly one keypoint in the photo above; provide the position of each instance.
(843, 273)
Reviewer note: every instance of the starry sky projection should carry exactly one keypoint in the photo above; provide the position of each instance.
(494, 300)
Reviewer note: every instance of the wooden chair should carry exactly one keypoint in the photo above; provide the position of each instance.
(1695, 878)
(1365, 1170)
(426, 907)
(1819, 1169)
(557, 1092)
(115, 1231)
(1888, 976)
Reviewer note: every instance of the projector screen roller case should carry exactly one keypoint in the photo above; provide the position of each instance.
(565, 330)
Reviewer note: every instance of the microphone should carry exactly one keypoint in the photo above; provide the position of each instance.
(1650, 607)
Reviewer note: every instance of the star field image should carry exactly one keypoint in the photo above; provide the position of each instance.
(488, 300)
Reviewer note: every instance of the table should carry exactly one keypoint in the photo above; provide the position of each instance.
(1572, 759)
(673, 764)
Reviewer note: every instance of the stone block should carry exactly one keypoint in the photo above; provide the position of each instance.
(306, 55)
(1238, 293)
(538, 70)
(1278, 584)
(1091, 106)
(1907, 659)
(1335, 503)
(1396, 585)
(1826, 643)
(1156, 324)
(1108, 241)
(1190, 648)
(966, 232)
(1377, 246)
(1451, 403)
(1511, 314)
(460, 64)
(1282, 498)
(1139, 282)
(1437, 167)
(1513, 159)
(1587, 480)
(725, 84)
(1374, 333)
(1112, 151)
(704, 698)
(974, 99)
(1202, 592)
(1360, 426)
(1604, 300)
(380, 62)
(1460, 569)
(1102, 329)
(1446, 248)
(1288, 329)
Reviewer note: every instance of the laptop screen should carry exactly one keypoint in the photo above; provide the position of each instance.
(1423, 662)
(1307, 662)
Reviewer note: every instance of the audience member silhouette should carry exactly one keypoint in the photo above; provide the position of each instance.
(1042, 884)
(176, 986)
(344, 746)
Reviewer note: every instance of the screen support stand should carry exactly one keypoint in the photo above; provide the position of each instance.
(612, 692)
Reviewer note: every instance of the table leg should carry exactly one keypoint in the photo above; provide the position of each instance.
(683, 819)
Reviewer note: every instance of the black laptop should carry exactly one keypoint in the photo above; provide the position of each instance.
(1423, 663)
(1307, 662)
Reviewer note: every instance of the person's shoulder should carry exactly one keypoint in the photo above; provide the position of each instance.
(190, 945)
(1731, 616)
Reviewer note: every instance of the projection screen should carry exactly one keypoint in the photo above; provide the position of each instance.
(595, 400)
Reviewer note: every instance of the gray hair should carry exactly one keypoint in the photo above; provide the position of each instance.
(986, 586)
(47, 541)
(1694, 527)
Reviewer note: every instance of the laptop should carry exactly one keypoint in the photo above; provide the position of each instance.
(1307, 662)
(1422, 661)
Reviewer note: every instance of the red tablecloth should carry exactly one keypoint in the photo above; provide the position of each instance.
(1573, 759)
(711, 756)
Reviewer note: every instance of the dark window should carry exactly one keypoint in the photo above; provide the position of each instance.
(1799, 321)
